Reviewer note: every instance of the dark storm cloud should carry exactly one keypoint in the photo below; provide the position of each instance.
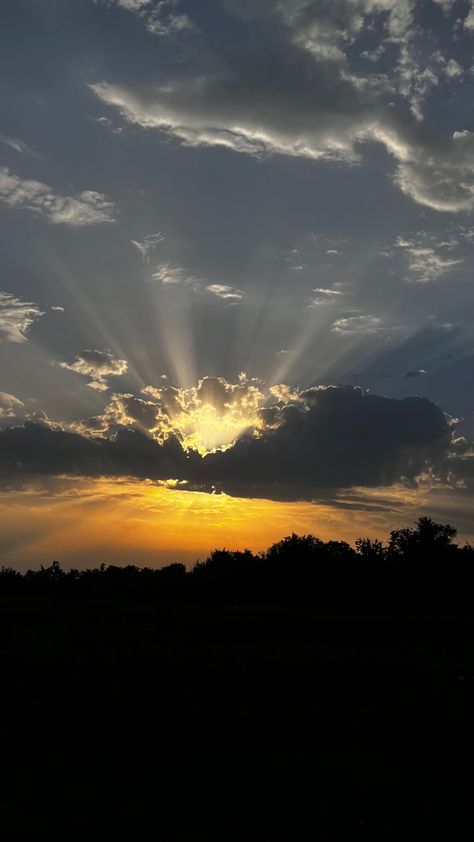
(337, 438)
(328, 439)
(38, 449)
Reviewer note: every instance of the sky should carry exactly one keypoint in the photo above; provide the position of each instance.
(236, 292)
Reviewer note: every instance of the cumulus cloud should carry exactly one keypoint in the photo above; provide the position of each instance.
(310, 444)
(316, 103)
(16, 317)
(97, 365)
(86, 208)
(209, 416)
(334, 438)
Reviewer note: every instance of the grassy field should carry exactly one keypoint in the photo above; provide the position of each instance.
(190, 722)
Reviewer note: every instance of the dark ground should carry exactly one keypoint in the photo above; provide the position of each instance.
(205, 722)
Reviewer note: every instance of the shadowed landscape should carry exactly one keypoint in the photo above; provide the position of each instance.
(311, 690)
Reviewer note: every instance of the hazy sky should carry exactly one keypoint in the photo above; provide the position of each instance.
(210, 213)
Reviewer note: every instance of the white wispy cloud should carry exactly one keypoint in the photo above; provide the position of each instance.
(225, 291)
(18, 145)
(86, 208)
(323, 296)
(426, 261)
(358, 324)
(148, 245)
(161, 17)
(169, 274)
(16, 317)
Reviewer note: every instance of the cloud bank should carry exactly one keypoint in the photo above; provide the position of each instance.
(305, 445)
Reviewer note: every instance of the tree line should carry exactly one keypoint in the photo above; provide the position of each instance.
(417, 567)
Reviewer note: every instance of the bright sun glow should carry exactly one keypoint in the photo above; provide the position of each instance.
(208, 429)
(209, 416)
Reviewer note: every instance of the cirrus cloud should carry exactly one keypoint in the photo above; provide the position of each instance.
(16, 317)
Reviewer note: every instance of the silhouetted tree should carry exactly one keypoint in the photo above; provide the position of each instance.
(420, 567)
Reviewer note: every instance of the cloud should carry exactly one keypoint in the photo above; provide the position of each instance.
(467, 23)
(86, 208)
(132, 5)
(319, 441)
(16, 317)
(211, 415)
(165, 23)
(317, 103)
(148, 245)
(358, 324)
(335, 438)
(426, 262)
(10, 406)
(97, 365)
(225, 291)
(418, 372)
(323, 297)
(326, 30)
(160, 17)
(171, 275)
(223, 111)
(440, 178)
(18, 145)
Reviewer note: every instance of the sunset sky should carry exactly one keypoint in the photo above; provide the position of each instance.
(236, 292)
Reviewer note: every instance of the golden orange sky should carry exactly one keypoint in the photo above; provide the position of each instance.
(86, 522)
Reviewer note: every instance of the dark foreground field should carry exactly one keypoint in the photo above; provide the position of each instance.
(206, 722)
